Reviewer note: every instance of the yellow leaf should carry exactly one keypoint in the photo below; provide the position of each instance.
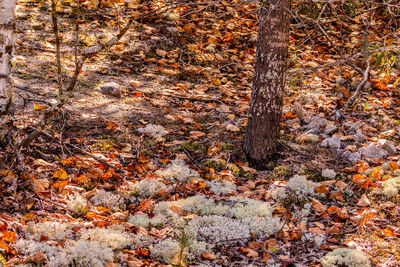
(38, 107)
(60, 174)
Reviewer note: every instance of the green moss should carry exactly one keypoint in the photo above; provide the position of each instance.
(227, 146)
(281, 173)
(193, 146)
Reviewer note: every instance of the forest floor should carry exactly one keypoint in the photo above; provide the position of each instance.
(145, 164)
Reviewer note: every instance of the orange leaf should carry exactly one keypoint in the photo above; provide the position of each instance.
(142, 252)
(4, 246)
(111, 125)
(363, 167)
(393, 166)
(60, 174)
(90, 215)
(387, 232)
(367, 183)
(8, 236)
(358, 179)
(60, 185)
(333, 209)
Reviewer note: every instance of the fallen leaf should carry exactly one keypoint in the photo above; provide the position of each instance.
(208, 255)
(364, 201)
(318, 206)
(60, 174)
(232, 128)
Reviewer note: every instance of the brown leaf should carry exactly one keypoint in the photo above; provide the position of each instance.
(342, 214)
(232, 128)
(208, 255)
(335, 229)
(249, 252)
(336, 195)
(341, 185)
(318, 206)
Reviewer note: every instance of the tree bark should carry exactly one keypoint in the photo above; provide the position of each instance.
(263, 126)
(7, 26)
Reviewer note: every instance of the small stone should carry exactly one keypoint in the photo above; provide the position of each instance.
(111, 88)
(329, 174)
(330, 129)
(298, 109)
(359, 136)
(389, 147)
(353, 157)
(316, 122)
(373, 151)
(333, 142)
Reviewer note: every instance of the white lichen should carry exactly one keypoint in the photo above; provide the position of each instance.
(391, 187)
(247, 207)
(166, 250)
(345, 257)
(144, 220)
(302, 187)
(154, 130)
(75, 253)
(263, 227)
(221, 187)
(199, 205)
(113, 236)
(277, 193)
(88, 253)
(77, 205)
(108, 200)
(217, 229)
(50, 230)
(177, 170)
(148, 187)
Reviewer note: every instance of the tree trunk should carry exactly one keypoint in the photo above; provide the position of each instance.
(7, 26)
(263, 126)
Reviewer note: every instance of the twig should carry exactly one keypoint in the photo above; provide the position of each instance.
(187, 153)
(96, 158)
(138, 147)
(57, 37)
(360, 86)
(22, 162)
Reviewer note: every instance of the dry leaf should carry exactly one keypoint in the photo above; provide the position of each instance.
(318, 206)
(364, 201)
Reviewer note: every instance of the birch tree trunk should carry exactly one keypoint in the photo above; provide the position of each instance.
(263, 126)
(7, 26)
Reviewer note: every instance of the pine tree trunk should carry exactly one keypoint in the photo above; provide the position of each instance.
(7, 26)
(263, 126)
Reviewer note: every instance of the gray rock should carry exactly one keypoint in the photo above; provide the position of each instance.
(112, 88)
(353, 157)
(333, 142)
(316, 122)
(329, 174)
(389, 147)
(330, 129)
(359, 136)
(373, 151)
(292, 121)
(346, 154)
